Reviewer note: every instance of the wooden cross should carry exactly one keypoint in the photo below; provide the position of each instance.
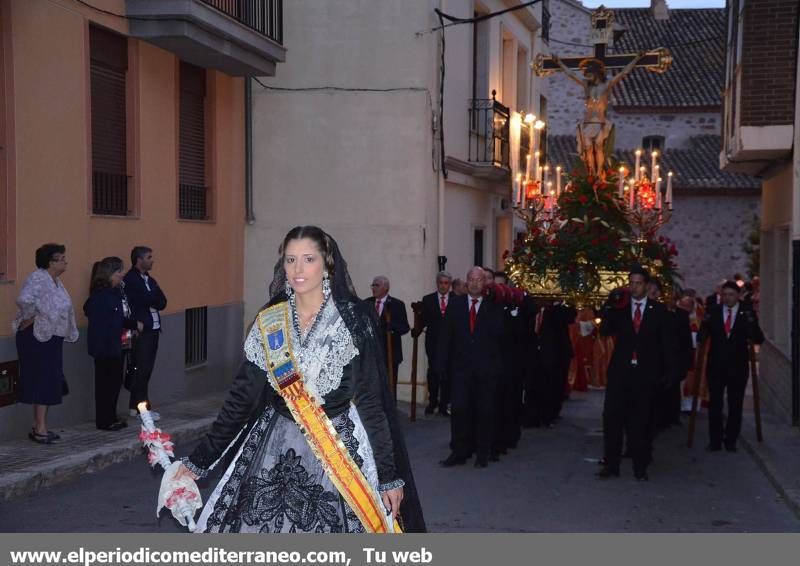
(656, 60)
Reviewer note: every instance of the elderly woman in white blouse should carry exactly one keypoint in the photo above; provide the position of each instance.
(45, 319)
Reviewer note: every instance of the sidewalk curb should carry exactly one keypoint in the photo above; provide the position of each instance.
(790, 496)
(72, 467)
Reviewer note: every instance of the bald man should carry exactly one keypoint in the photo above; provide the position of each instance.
(392, 314)
(469, 348)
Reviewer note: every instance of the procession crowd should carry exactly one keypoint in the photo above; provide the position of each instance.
(498, 359)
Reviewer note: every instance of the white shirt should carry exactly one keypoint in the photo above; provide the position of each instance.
(47, 302)
(734, 311)
(642, 301)
(477, 305)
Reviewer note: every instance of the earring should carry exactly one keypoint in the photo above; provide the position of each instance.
(288, 289)
(326, 285)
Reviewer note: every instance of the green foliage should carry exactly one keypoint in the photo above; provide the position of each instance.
(590, 235)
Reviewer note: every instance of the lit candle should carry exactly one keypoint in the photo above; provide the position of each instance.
(641, 173)
(669, 190)
(518, 189)
(636, 171)
(653, 171)
(536, 157)
(539, 173)
(621, 181)
(558, 181)
(549, 196)
(658, 193)
(546, 174)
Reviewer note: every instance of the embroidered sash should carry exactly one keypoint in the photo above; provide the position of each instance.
(341, 469)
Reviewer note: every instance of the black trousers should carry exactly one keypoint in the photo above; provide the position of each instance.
(628, 413)
(735, 383)
(472, 418)
(143, 358)
(438, 385)
(107, 383)
(535, 405)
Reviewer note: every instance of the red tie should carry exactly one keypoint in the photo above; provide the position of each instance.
(442, 304)
(473, 316)
(728, 322)
(637, 322)
(637, 318)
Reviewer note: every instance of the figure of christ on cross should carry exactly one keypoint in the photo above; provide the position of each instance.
(594, 130)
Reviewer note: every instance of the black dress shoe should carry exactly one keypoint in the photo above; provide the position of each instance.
(607, 473)
(730, 447)
(481, 462)
(713, 448)
(452, 460)
(444, 412)
(641, 477)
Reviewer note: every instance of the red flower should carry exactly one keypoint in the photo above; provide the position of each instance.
(506, 254)
(584, 199)
(595, 241)
(590, 179)
(673, 250)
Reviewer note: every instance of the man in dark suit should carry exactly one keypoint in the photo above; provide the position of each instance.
(146, 300)
(642, 361)
(393, 317)
(469, 347)
(731, 327)
(715, 298)
(434, 307)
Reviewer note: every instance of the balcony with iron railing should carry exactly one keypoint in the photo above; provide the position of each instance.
(489, 133)
(237, 37)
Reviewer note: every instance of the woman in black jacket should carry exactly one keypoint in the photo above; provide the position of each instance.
(109, 323)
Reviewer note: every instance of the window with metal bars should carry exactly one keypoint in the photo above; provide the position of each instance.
(193, 190)
(196, 336)
(108, 74)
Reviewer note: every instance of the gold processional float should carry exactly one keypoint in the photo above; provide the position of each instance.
(582, 239)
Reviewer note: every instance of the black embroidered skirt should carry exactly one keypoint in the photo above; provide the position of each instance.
(275, 484)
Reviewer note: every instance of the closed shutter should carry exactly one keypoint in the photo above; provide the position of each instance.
(108, 70)
(192, 143)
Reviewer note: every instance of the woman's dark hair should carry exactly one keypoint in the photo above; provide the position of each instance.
(139, 252)
(44, 255)
(102, 271)
(319, 237)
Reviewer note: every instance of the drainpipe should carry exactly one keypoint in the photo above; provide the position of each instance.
(250, 216)
(441, 174)
(795, 306)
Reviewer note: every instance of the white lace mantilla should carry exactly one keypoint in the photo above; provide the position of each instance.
(322, 355)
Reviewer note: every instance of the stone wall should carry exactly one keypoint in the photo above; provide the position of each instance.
(709, 232)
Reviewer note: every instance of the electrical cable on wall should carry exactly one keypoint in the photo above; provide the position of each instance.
(329, 88)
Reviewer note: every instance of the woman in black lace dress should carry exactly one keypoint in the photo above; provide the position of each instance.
(274, 482)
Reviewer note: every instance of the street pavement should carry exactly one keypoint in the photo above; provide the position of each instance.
(547, 484)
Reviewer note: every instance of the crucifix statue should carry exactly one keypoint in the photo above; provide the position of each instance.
(594, 130)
